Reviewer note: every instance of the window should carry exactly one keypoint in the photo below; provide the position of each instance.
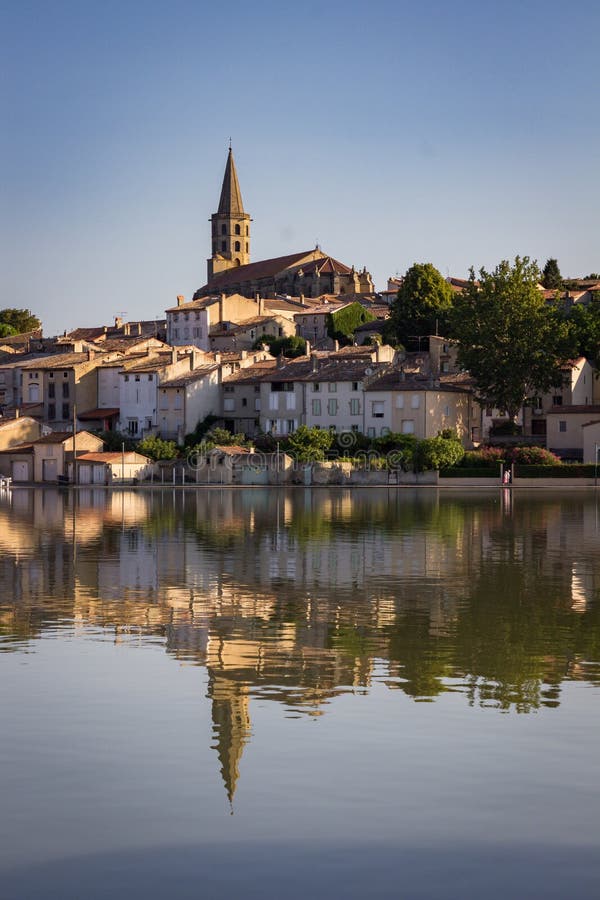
(228, 404)
(446, 410)
(355, 407)
(291, 426)
(238, 230)
(51, 411)
(223, 245)
(126, 377)
(415, 401)
(65, 389)
(132, 426)
(247, 231)
(400, 401)
(316, 386)
(65, 410)
(445, 367)
(228, 389)
(237, 246)
(562, 425)
(257, 388)
(244, 401)
(316, 407)
(164, 400)
(370, 432)
(355, 385)
(384, 430)
(246, 246)
(377, 409)
(332, 388)
(51, 391)
(137, 377)
(332, 407)
(178, 400)
(223, 229)
(408, 426)
(354, 429)
(557, 400)
(65, 375)
(50, 375)
(257, 404)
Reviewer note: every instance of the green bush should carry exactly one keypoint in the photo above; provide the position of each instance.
(156, 448)
(484, 456)
(437, 453)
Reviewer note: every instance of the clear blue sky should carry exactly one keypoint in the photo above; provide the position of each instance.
(458, 133)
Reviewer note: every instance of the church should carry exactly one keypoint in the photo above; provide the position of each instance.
(309, 273)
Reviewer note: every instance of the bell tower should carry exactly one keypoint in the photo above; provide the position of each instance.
(230, 226)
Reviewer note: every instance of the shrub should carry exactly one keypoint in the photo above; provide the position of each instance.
(437, 453)
(506, 427)
(156, 448)
(484, 456)
(532, 456)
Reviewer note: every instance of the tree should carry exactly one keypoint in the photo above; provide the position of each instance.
(593, 276)
(342, 323)
(156, 448)
(438, 453)
(291, 346)
(422, 306)
(584, 322)
(21, 320)
(509, 338)
(309, 444)
(6, 330)
(551, 277)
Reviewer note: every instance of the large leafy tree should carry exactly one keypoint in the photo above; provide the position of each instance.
(309, 444)
(422, 306)
(21, 320)
(551, 277)
(510, 339)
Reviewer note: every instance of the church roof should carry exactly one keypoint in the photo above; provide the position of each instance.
(264, 268)
(231, 196)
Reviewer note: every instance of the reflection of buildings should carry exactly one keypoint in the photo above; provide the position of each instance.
(297, 596)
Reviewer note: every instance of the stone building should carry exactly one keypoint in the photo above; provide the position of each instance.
(229, 270)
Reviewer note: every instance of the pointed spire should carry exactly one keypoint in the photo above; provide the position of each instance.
(231, 196)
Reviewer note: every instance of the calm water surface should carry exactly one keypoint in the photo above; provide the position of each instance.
(261, 693)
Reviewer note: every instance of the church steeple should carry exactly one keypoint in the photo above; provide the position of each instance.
(230, 225)
(231, 196)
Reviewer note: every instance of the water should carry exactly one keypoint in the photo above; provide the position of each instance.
(266, 693)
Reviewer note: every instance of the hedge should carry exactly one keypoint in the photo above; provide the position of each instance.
(470, 472)
(566, 470)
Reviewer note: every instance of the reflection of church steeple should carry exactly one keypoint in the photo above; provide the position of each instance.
(231, 726)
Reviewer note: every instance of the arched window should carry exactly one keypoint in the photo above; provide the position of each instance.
(223, 245)
(223, 229)
(247, 231)
(246, 246)
(237, 246)
(238, 230)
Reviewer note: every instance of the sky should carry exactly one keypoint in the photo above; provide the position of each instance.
(457, 133)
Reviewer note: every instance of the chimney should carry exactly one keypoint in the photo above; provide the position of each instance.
(127, 329)
(307, 351)
(173, 355)
(139, 327)
(377, 352)
(261, 306)
(91, 353)
(17, 412)
(336, 346)
(118, 322)
(315, 361)
(221, 306)
(302, 303)
(244, 354)
(180, 299)
(218, 358)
